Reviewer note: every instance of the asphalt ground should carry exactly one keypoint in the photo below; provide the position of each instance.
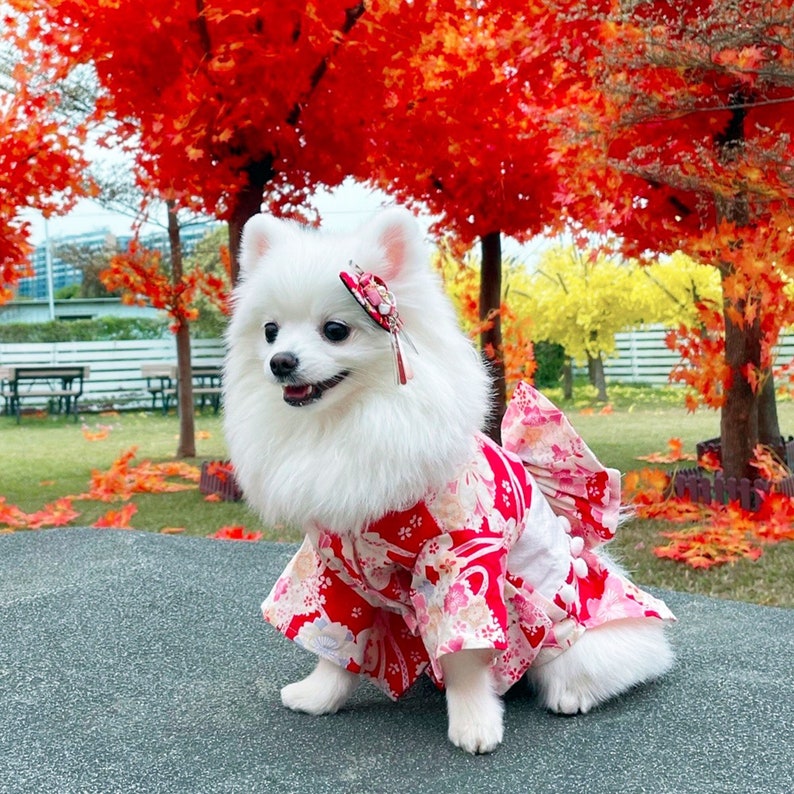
(136, 662)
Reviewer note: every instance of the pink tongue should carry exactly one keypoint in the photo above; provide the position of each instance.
(297, 392)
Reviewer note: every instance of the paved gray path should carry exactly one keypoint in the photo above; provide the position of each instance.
(133, 662)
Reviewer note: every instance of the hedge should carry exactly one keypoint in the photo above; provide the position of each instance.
(98, 329)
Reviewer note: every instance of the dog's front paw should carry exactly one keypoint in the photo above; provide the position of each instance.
(473, 707)
(475, 724)
(325, 691)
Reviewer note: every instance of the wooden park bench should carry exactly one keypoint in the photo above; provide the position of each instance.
(60, 385)
(162, 382)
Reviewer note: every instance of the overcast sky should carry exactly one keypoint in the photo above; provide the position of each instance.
(344, 209)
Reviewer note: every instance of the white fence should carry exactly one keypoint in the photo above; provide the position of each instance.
(115, 379)
(643, 357)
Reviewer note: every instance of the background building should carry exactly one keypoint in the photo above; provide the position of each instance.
(66, 273)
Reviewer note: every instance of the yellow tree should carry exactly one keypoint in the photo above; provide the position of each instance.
(580, 299)
(674, 290)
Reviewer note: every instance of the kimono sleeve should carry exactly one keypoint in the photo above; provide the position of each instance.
(458, 594)
(327, 616)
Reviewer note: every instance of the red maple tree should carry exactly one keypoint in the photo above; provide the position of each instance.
(689, 145)
(465, 136)
(40, 166)
(209, 96)
(228, 101)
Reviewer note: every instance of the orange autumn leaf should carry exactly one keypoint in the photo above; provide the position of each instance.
(775, 519)
(172, 530)
(235, 532)
(11, 515)
(710, 461)
(678, 511)
(107, 486)
(645, 486)
(122, 479)
(56, 514)
(706, 546)
(117, 519)
(221, 470)
(768, 464)
(674, 454)
(175, 468)
(724, 533)
(100, 434)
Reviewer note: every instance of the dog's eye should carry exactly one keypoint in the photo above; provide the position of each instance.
(271, 332)
(335, 332)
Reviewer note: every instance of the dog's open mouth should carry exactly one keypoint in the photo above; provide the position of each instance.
(300, 394)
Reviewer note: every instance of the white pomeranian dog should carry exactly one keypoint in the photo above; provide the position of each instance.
(353, 408)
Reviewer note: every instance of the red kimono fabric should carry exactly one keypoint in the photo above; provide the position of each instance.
(501, 558)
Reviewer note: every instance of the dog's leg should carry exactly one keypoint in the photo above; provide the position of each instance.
(602, 663)
(323, 691)
(473, 707)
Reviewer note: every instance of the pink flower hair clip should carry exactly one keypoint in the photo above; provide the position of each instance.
(372, 294)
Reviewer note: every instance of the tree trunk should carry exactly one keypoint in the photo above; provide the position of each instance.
(768, 424)
(187, 430)
(591, 373)
(595, 365)
(247, 202)
(747, 416)
(491, 339)
(739, 416)
(567, 378)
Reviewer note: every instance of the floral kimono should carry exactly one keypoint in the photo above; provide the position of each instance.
(502, 558)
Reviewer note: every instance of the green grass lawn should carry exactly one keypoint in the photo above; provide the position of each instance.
(43, 459)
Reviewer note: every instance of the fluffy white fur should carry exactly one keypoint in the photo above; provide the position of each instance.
(369, 445)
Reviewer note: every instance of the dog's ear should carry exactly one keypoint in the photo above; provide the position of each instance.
(259, 235)
(398, 238)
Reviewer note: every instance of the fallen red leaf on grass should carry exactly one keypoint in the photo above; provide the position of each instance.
(724, 533)
(11, 515)
(123, 479)
(57, 514)
(705, 546)
(644, 486)
(100, 434)
(117, 519)
(675, 453)
(236, 533)
(775, 519)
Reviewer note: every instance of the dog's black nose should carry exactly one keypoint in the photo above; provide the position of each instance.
(283, 364)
